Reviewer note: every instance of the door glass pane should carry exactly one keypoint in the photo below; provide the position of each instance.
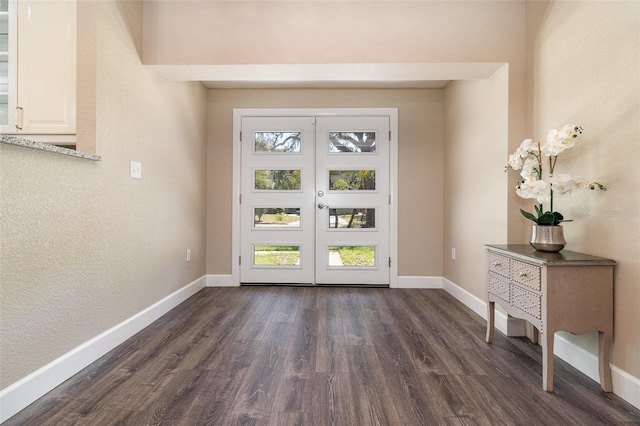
(277, 180)
(352, 218)
(352, 141)
(279, 142)
(352, 256)
(276, 255)
(352, 180)
(276, 217)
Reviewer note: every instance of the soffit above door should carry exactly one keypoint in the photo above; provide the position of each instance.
(417, 75)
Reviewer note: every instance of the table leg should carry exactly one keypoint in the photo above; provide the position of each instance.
(490, 320)
(547, 361)
(604, 349)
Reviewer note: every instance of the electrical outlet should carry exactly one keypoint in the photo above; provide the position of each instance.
(188, 255)
(135, 169)
(453, 254)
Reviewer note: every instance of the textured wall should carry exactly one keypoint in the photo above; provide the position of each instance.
(475, 185)
(585, 68)
(317, 32)
(84, 246)
(420, 150)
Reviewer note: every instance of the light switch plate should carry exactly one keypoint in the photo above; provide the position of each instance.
(135, 169)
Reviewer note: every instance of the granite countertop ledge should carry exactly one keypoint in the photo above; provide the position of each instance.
(13, 140)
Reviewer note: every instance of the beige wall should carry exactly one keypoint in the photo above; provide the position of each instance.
(475, 185)
(84, 246)
(420, 155)
(585, 68)
(317, 32)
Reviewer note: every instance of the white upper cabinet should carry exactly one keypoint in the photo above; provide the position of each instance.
(8, 45)
(41, 69)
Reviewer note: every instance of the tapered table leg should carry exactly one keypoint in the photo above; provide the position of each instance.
(604, 349)
(547, 361)
(490, 320)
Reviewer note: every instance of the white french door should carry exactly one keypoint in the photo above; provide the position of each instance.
(315, 200)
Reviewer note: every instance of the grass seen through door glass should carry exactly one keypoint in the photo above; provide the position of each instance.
(277, 255)
(356, 256)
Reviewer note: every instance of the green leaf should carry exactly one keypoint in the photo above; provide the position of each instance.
(538, 209)
(548, 219)
(529, 216)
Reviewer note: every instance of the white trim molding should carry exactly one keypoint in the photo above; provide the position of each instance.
(28, 389)
(419, 282)
(221, 280)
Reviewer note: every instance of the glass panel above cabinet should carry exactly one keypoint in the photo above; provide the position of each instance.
(4, 64)
(4, 109)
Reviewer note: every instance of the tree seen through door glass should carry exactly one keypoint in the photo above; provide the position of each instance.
(279, 142)
(352, 218)
(276, 217)
(277, 180)
(352, 180)
(353, 142)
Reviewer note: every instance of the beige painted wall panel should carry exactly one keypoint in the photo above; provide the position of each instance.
(475, 185)
(84, 246)
(312, 32)
(586, 67)
(420, 117)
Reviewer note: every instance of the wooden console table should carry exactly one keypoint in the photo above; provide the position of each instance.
(565, 291)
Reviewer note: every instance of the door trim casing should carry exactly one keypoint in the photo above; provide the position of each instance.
(240, 113)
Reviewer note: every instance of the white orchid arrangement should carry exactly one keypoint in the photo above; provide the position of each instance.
(529, 158)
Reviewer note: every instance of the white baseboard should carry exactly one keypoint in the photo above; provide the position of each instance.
(219, 280)
(419, 282)
(625, 385)
(28, 389)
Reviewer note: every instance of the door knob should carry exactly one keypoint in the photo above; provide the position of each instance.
(322, 206)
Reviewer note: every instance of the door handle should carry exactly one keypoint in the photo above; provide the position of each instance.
(322, 206)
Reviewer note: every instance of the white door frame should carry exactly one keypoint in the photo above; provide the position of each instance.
(239, 113)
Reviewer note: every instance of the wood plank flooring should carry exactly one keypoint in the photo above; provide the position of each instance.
(323, 356)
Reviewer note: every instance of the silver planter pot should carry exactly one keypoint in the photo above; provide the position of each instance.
(547, 238)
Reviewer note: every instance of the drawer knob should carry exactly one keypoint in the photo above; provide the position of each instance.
(522, 274)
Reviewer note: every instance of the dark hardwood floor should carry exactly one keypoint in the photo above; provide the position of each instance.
(323, 356)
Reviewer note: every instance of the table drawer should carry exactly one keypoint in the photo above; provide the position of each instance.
(526, 274)
(527, 301)
(498, 286)
(498, 263)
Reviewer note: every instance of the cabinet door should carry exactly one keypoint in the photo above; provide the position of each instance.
(8, 46)
(46, 67)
